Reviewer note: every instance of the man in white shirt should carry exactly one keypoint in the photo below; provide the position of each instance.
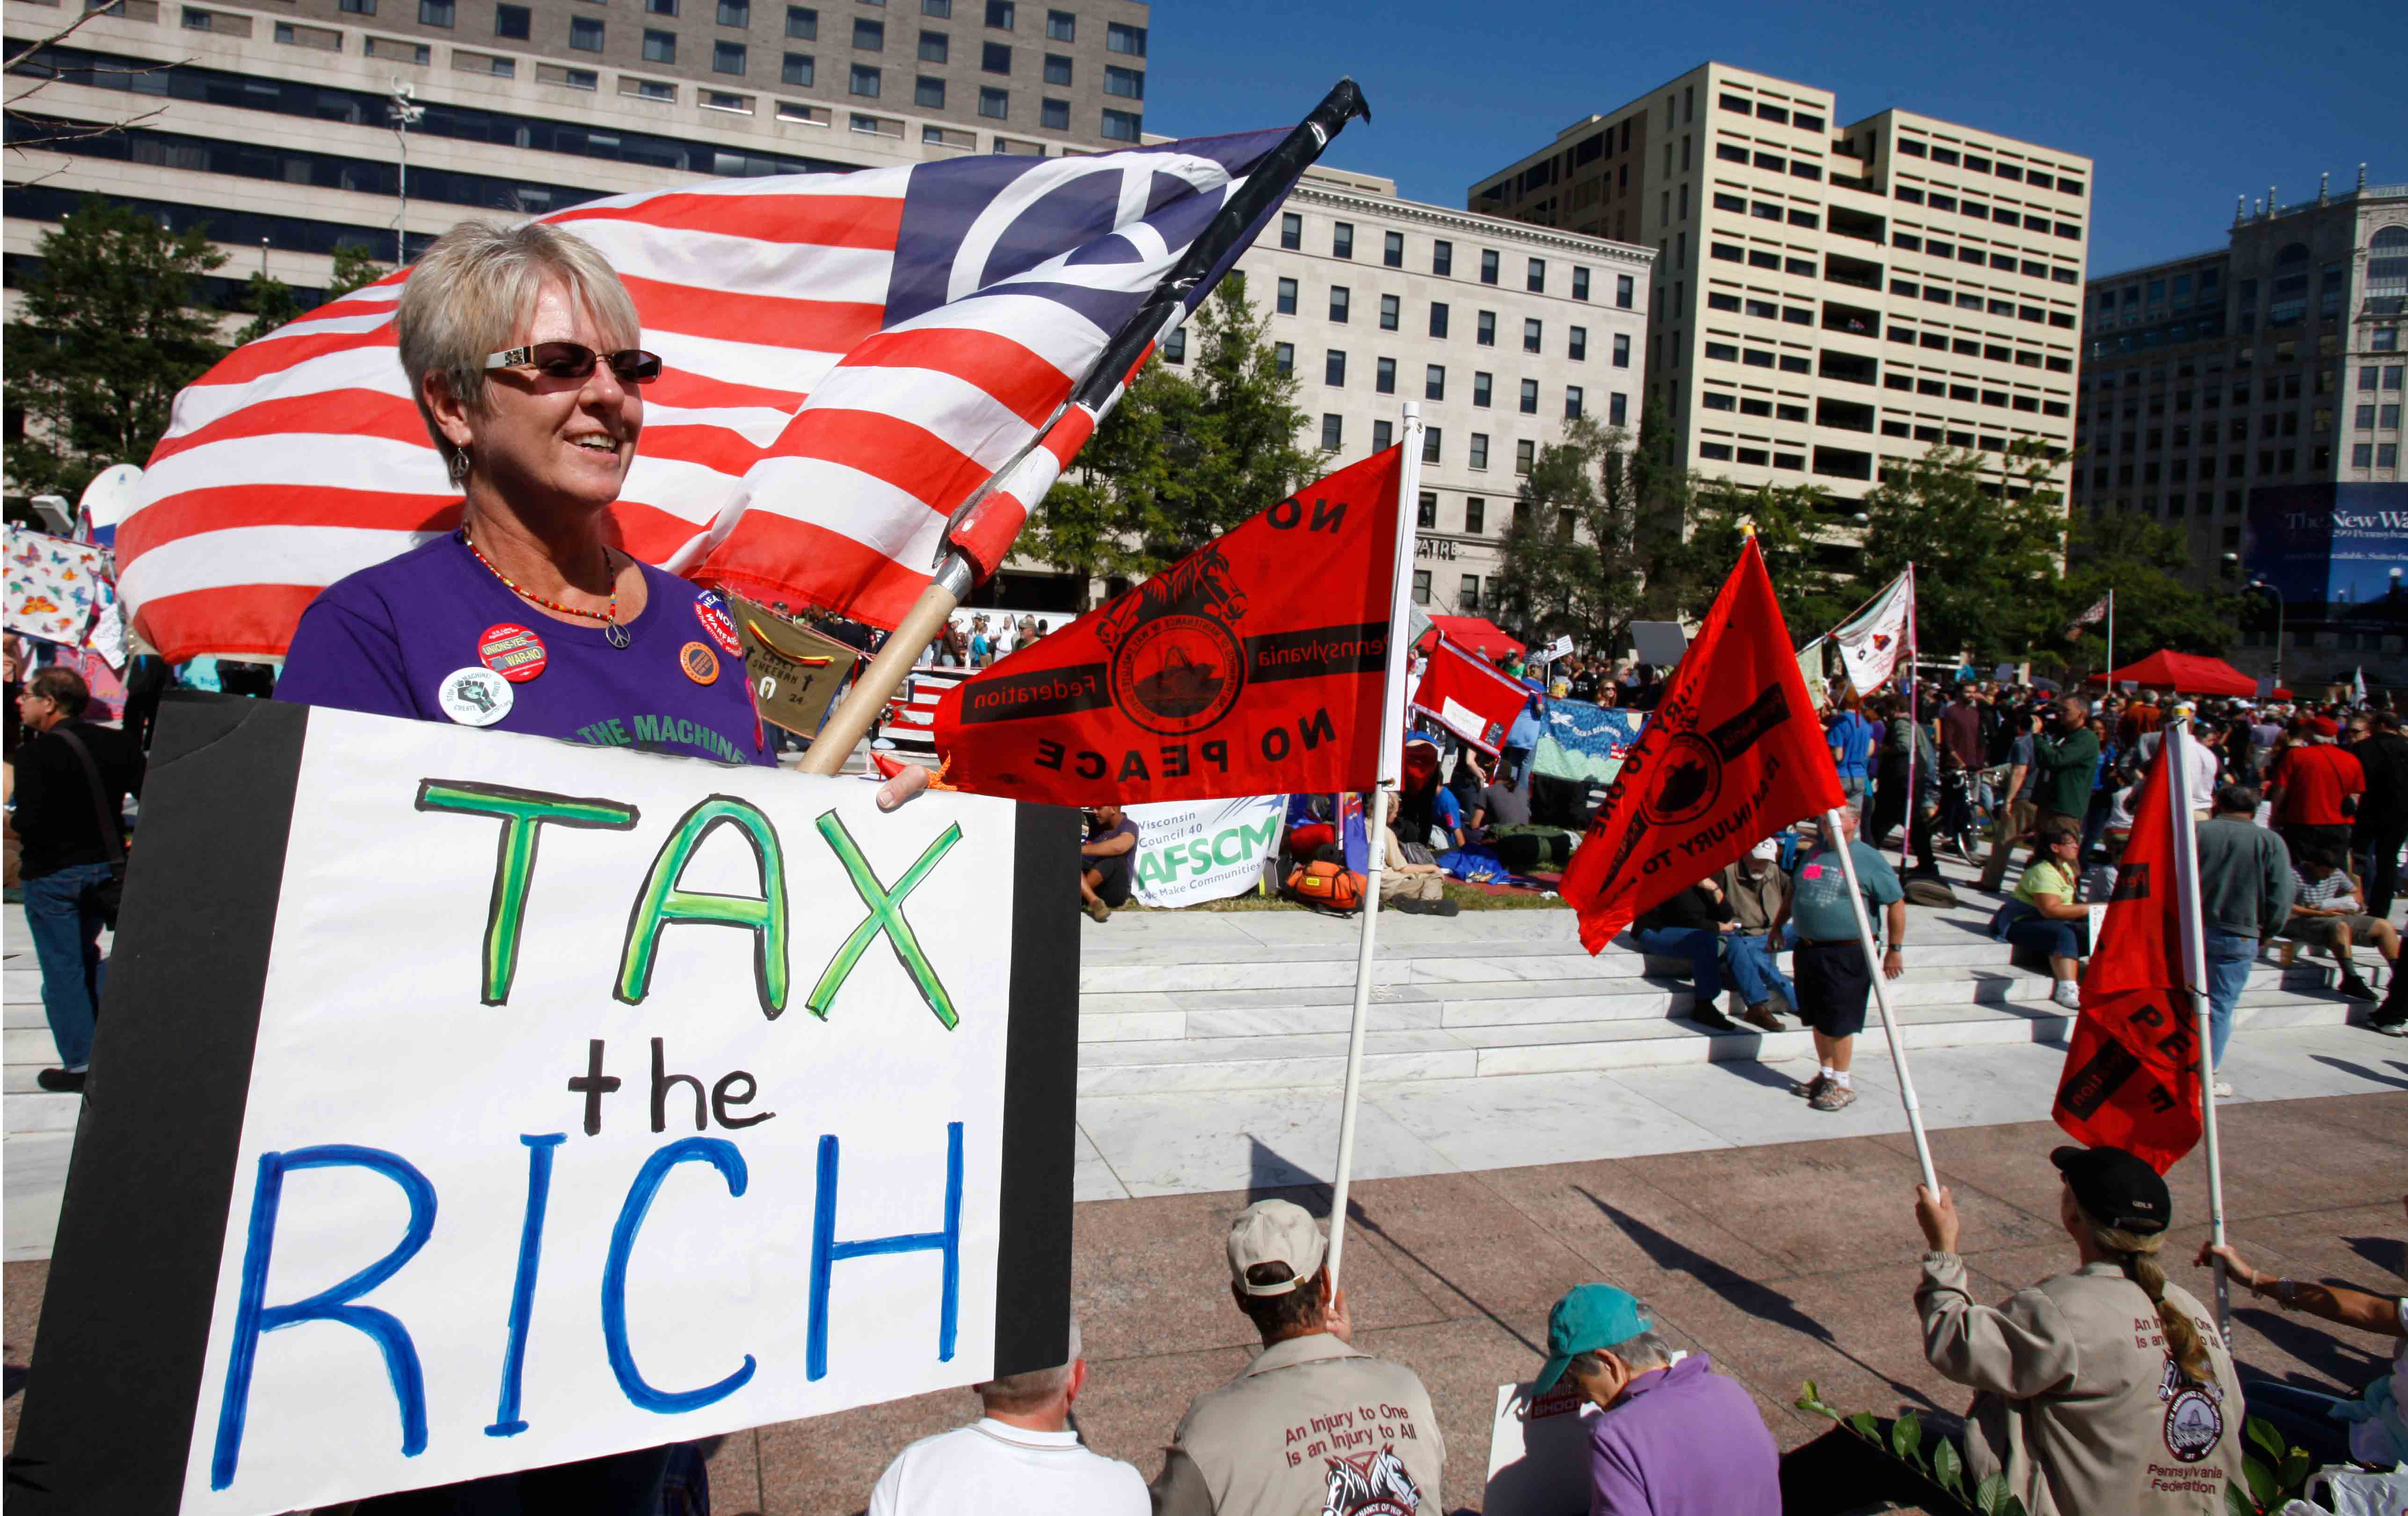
(1021, 1456)
(2198, 756)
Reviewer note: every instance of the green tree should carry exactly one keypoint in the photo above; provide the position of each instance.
(2154, 610)
(1788, 521)
(1572, 559)
(109, 329)
(353, 270)
(270, 303)
(1184, 457)
(1985, 551)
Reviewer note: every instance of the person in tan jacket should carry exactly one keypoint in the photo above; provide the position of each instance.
(2105, 1389)
(1310, 1427)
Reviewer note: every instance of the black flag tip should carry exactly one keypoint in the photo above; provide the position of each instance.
(1343, 103)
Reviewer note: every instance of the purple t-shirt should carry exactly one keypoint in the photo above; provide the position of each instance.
(388, 639)
(1684, 1442)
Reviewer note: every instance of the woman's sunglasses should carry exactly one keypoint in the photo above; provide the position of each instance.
(574, 360)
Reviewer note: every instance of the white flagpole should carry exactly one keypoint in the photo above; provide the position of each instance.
(1831, 828)
(2194, 957)
(1914, 736)
(2111, 646)
(1392, 745)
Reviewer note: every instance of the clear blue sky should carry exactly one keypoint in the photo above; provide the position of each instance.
(2184, 107)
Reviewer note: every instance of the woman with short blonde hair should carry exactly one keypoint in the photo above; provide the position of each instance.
(521, 347)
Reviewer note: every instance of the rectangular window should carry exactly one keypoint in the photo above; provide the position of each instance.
(1426, 510)
(1535, 279)
(1174, 347)
(1391, 310)
(1128, 83)
(1383, 379)
(1624, 289)
(1392, 250)
(1531, 331)
(1001, 15)
(1475, 509)
(1572, 402)
(1341, 240)
(1061, 26)
(1124, 39)
(864, 82)
(1421, 586)
(585, 34)
(434, 12)
(1622, 349)
(1057, 69)
(1438, 318)
(1339, 297)
(1529, 398)
(1469, 602)
(1431, 439)
(1283, 357)
(1617, 409)
(1333, 432)
(735, 12)
(1488, 262)
(927, 94)
(1124, 126)
(995, 104)
(802, 22)
(1384, 436)
(1580, 283)
(1443, 259)
(1525, 455)
(1287, 297)
(1578, 343)
(727, 57)
(1487, 335)
(1291, 231)
(868, 36)
(1482, 385)
(511, 22)
(1479, 461)
(354, 8)
(995, 57)
(1433, 382)
(2361, 455)
(1333, 367)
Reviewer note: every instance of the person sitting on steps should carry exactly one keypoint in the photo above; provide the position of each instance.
(2325, 914)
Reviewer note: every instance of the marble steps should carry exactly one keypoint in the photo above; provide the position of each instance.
(34, 1109)
(1317, 1059)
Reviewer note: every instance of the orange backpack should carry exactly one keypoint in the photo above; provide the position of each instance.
(1331, 886)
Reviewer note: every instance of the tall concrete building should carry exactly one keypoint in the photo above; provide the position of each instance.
(1829, 299)
(270, 120)
(1501, 331)
(2216, 385)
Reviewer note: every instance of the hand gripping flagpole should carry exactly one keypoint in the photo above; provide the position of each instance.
(1392, 745)
(1832, 828)
(2194, 959)
(980, 536)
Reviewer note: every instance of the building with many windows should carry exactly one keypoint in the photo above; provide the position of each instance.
(1501, 332)
(2212, 382)
(1829, 299)
(271, 121)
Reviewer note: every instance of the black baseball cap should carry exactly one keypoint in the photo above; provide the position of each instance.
(2117, 1189)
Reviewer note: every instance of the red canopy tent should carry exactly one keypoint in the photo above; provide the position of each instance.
(2184, 672)
(1477, 635)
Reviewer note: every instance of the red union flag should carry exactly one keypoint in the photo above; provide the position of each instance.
(1253, 665)
(1470, 699)
(1731, 754)
(2132, 1071)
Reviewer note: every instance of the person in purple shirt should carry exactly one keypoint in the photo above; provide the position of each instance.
(1673, 1438)
(519, 342)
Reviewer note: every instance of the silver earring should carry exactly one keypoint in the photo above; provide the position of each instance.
(457, 465)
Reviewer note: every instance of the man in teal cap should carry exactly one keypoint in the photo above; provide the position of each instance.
(1676, 1439)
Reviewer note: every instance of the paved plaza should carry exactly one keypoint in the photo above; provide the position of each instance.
(1533, 1119)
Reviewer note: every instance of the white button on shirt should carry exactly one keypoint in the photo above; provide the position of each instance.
(993, 1469)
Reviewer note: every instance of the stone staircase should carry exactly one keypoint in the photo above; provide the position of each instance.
(1505, 993)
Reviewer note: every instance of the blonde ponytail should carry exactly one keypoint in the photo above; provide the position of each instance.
(2137, 1256)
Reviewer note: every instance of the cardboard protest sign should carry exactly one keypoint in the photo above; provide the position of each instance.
(468, 1102)
(796, 671)
(1190, 852)
(1538, 1452)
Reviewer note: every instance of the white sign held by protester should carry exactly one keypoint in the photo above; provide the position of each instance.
(1538, 1453)
(1554, 650)
(1872, 643)
(447, 1141)
(1190, 852)
(1660, 643)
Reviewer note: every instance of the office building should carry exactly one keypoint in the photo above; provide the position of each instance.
(2230, 380)
(1831, 299)
(1501, 330)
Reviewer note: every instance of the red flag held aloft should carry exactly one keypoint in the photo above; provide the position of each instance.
(1474, 700)
(2132, 1071)
(1254, 665)
(1731, 755)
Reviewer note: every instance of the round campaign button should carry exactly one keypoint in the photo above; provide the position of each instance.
(700, 663)
(512, 650)
(712, 613)
(475, 696)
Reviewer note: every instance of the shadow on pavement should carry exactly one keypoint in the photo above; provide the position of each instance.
(2387, 1253)
(2360, 1070)
(2347, 1369)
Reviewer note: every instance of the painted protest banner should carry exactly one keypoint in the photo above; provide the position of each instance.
(1188, 852)
(796, 671)
(431, 1135)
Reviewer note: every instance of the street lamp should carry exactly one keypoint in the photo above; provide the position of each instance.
(2260, 586)
(404, 114)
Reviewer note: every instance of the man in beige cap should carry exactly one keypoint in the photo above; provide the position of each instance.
(1311, 1426)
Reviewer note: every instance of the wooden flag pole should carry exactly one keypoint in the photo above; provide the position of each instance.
(1833, 829)
(1392, 744)
(2189, 912)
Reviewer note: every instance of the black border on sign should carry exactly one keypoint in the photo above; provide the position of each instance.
(116, 1378)
(1040, 1091)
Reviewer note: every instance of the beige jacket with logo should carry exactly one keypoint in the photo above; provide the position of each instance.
(1310, 1427)
(2076, 1399)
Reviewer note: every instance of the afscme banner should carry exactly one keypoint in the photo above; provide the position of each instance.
(468, 1102)
(1188, 852)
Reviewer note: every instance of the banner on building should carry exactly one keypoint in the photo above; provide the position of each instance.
(2336, 552)
(468, 1102)
(1191, 851)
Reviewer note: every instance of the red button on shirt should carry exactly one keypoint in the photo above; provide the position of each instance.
(2313, 780)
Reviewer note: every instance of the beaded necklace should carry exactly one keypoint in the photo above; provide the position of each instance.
(612, 632)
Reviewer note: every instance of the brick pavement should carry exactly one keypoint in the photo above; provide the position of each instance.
(1785, 1262)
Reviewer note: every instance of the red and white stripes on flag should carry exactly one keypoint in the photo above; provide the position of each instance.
(1469, 697)
(849, 357)
(914, 727)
